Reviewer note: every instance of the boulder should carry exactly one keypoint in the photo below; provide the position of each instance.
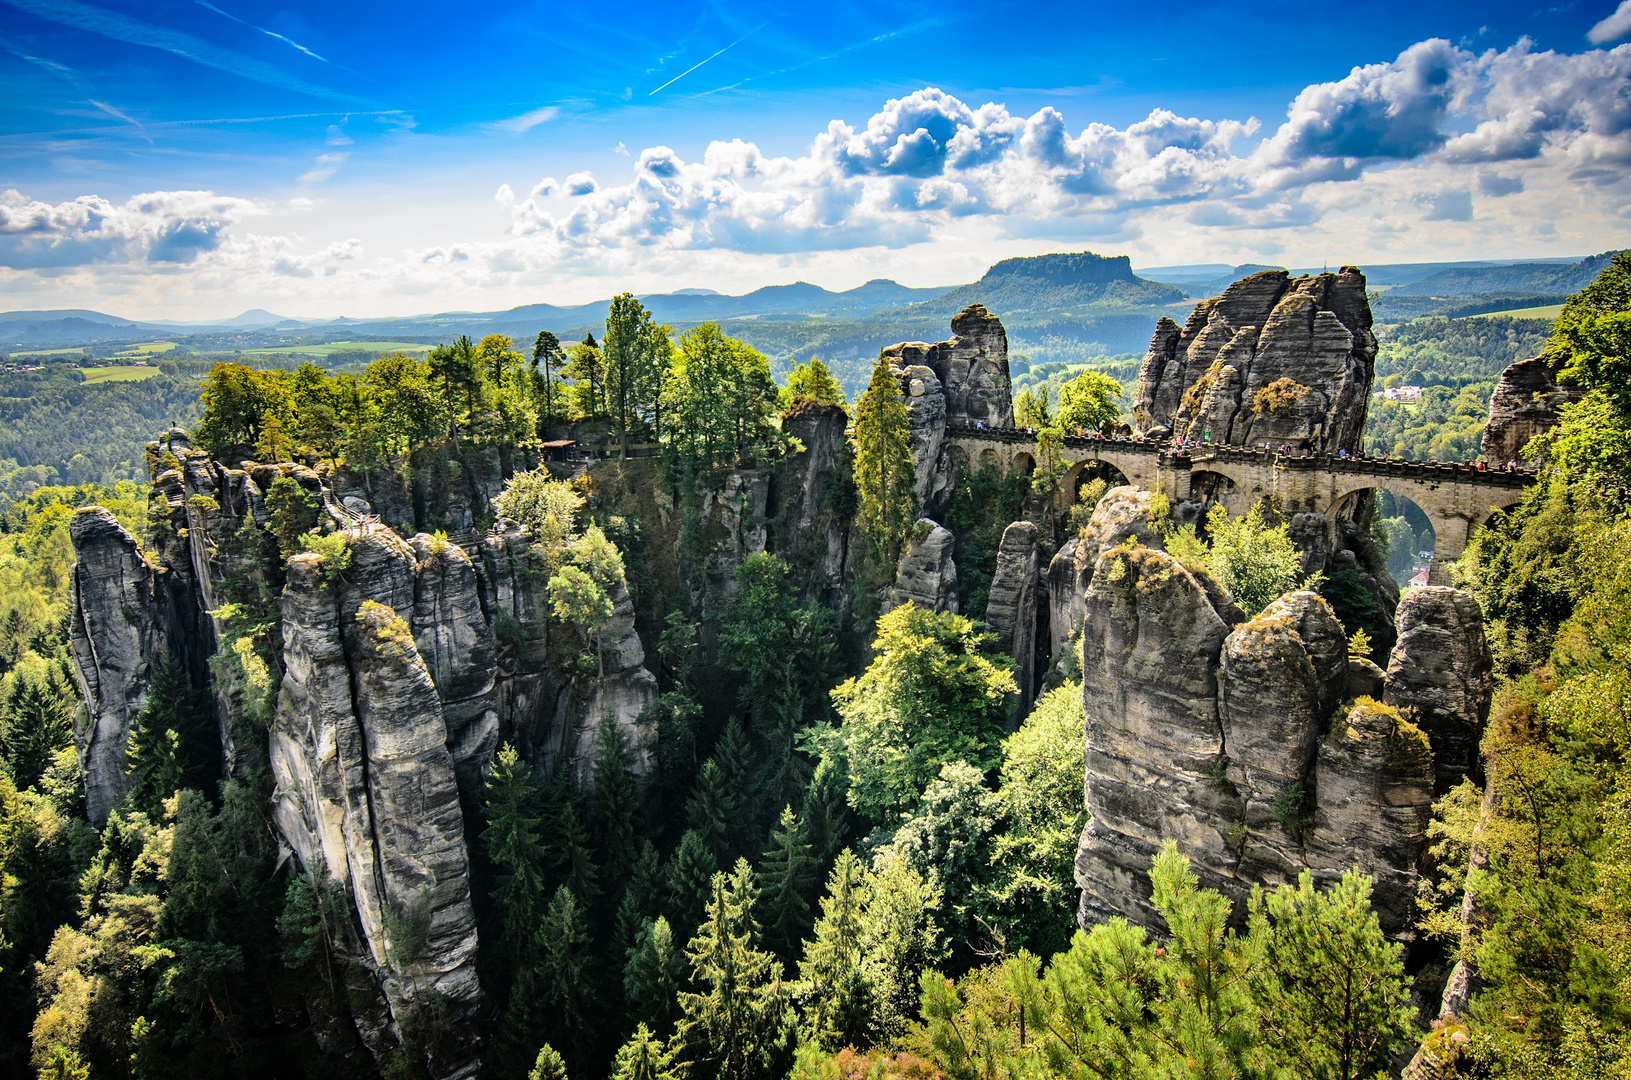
(116, 641)
(1440, 670)
(1525, 403)
(1011, 611)
(1273, 360)
(927, 575)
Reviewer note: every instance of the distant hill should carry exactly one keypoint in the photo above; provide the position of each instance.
(1518, 279)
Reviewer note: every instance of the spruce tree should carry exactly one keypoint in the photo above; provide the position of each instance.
(884, 473)
(833, 984)
(511, 838)
(644, 1057)
(712, 810)
(574, 857)
(616, 806)
(787, 872)
(173, 743)
(652, 976)
(825, 810)
(566, 980)
(734, 1024)
(641, 901)
(548, 1066)
(690, 872)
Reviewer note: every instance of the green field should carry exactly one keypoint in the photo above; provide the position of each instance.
(146, 348)
(121, 373)
(328, 347)
(1548, 311)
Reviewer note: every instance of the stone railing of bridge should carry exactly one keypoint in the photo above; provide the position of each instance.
(1456, 498)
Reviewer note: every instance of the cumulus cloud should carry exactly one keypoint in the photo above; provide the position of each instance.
(158, 227)
(927, 159)
(1613, 28)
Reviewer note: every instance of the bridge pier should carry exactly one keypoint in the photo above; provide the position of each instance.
(1451, 534)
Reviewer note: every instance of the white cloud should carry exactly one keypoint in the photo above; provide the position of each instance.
(323, 167)
(1442, 152)
(157, 227)
(1613, 28)
(520, 125)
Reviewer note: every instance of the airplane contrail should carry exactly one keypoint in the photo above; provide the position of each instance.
(699, 63)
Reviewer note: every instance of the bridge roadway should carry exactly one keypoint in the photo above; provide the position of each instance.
(1456, 498)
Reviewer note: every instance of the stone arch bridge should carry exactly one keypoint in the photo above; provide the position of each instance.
(1456, 498)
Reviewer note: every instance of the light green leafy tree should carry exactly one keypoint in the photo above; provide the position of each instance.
(936, 693)
(884, 474)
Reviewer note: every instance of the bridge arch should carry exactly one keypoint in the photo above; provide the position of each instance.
(1084, 472)
(1454, 508)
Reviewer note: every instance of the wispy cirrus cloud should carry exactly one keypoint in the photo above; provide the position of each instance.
(520, 125)
(110, 24)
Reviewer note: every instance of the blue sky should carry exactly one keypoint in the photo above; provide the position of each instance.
(194, 158)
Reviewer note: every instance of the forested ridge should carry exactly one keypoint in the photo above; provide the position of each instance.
(844, 859)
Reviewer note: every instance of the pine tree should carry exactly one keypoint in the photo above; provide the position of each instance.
(652, 976)
(884, 473)
(641, 901)
(574, 858)
(690, 873)
(565, 978)
(712, 810)
(833, 984)
(511, 838)
(786, 870)
(735, 1023)
(825, 811)
(644, 1057)
(616, 806)
(549, 1065)
(172, 743)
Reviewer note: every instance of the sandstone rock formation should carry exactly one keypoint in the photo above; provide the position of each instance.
(1440, 671)
(1154, 744)
(366, 790)
(806, 528)
(116, 641)
(951, 383)
(1258, 746)
(1374, 780)
(1525, 403)
(1273, 360)
(1011, 610)
(401, 675)
(927, 575)
(972, 367)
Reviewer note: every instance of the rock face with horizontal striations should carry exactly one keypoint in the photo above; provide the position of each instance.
(927, 575)
(401, 675)
(1525, 403)
(1273, 360)
(451, 633)
(1440, 672)
(1011, 611)
(116, 642)
(807, 527)
(1279, 677)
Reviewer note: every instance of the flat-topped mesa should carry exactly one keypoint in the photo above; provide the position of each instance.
(1274, 360)
(972, 368)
